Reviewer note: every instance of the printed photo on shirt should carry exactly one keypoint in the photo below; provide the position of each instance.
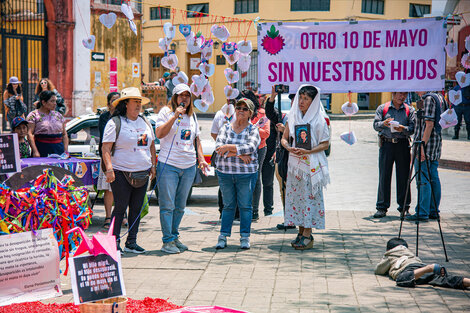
(185, 134)
(143, 140)
(302, 136)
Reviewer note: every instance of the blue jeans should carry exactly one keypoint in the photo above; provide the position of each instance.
(425, 199)
(237, 189)
(173, 190)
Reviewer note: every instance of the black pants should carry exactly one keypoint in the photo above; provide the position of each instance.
(407, 278)
(126, 196)
(257, 187)
(389, 153)
(267, 178)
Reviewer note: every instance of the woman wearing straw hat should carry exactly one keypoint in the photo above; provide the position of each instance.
(178, 131)
(129, 157)
(13, 100)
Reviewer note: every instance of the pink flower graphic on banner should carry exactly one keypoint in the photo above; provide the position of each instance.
(273, 43)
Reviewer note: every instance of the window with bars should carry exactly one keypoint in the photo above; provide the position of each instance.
(197, 10)
(419, 10)
(40, 6)
(310, 5)
(373, 6)
(159, 13)
(246, 6)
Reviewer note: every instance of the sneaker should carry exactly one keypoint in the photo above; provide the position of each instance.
(170, 247)
(268, 212)
(245, 242)
(133, 248)
(284, 227)
(182, 247)
(380, 213)
(255, 216)
(414, 218)
(222, 242)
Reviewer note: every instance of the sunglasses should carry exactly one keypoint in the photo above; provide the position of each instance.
(242, 109)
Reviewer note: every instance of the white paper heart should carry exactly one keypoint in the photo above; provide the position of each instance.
(195, 90)
(169, 30)
(207, 48)
(231, 75)
(452, 49)
(200, 81)
(194, 44)
(462, 79)
(220, 32)
(448, 118)
(201, 105)
(233, 58)
(349, 108)
(245, 47)
(348, 137)
(133, 27)
(108, 20)
(231, 93)
(89, 42)
(244, 63)
(164, 43)
(170, 61)
(455, 97)
(127, 10)
(207, 95)
(228, 109)
(181, 78)
(207, 69)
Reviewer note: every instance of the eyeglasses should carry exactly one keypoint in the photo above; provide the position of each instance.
(43, 83)
(242, 109)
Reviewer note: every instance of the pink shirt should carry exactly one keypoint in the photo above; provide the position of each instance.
(263, 124)
(46, 124)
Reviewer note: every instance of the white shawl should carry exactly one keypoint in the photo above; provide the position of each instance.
(312, 166)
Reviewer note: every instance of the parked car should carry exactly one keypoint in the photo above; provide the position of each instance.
(285, 108)
(82, 128)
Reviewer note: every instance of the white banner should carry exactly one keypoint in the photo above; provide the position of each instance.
(362, 56)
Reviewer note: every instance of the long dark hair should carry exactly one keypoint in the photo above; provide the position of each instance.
(310, 91)
(121, 108)
(11, 91)
(111, 95)
(50, 85)
(251, 95)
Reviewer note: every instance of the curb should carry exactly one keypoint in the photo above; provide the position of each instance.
(454, 165)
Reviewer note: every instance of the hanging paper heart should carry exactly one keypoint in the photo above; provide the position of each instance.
(181, 78)
(170, 61)
(201, 105)
(245, 47)
(127, 10)
(169, 30)
(200, 81)
(348, 137)
(233, 58)
(462, 79)
(207, 69)
(220, 32)
(207, 47)
(164, 43)
(244, 63)
(349, 108)
(194, 43)
(231, 75)
(228, 109)
(133, 27)
(455, 97)
(108, 20)
(89, 42)
(448, 119)
(185, 29)
(452, 49)
(229, 48)
(231, 93)
(195, 90)
(466, 61)
(467, 43)
(207, 95)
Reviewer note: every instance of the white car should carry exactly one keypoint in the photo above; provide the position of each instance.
(285, 108)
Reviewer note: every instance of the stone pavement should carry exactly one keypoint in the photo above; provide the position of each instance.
(336, 276)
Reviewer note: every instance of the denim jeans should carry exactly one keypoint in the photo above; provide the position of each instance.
(425, 200)
(173, 190)
(236, 189)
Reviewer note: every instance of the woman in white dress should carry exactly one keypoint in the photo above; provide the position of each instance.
(307, 166)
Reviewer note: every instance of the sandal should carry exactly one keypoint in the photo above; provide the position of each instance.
(107, 223)
(302, 245)
(296, 240)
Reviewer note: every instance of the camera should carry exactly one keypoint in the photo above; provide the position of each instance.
(281, 88)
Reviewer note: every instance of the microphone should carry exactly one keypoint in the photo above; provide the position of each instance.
(181, 115)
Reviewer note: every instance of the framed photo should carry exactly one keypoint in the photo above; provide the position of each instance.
(303, 137)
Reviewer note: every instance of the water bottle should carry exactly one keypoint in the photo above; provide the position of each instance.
(93, 145)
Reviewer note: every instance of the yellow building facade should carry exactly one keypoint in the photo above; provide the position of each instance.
(266, 10)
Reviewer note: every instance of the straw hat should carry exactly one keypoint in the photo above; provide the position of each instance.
(131, 93)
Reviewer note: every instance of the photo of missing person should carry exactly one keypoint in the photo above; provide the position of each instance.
(302, 137)
(185, 134)
(143, 140)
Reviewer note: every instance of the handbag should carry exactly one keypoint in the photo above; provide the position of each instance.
(282, 157)
(198, 176)
(137, 179)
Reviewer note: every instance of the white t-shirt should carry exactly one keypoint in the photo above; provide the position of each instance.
(132, 148)
(183, 153)
(219, 120)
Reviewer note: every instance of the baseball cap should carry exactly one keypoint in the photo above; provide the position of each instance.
(17, 121)
(248, 103)
(166, 74)
(180, 88)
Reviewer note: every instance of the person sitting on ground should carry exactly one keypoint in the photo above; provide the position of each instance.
(408, 270)
(20, 126)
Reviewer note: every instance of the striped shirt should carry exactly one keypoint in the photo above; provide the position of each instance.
(434, 145)
(247, 142)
